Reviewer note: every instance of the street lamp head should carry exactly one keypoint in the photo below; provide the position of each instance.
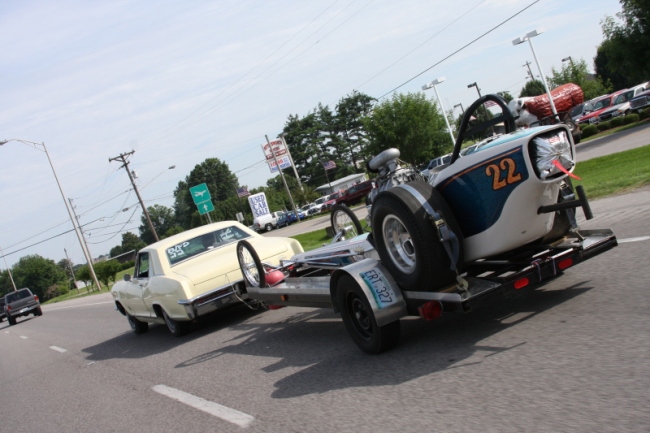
(469, 86)
(566, 58)
(171, 167)
(3, 142)
(534, 33)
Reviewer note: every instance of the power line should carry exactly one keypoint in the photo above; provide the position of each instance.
(458, 50)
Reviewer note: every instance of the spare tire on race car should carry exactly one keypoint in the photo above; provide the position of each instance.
(407, 240)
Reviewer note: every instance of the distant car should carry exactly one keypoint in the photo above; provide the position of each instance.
(640, 102)
(331, 200)
(310, 209)
(355, 193)
(320, 202)
(291, 216)
(436, 162)
(191, 274)
(22, 302)
(583, 109)
(599, 106)
(621, 104)
(282, 219)
(2, 308)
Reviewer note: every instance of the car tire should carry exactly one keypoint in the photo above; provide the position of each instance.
(268, 227)
(38, 311)
(250, 264)
(342, 216)
(11, 321)
(138, 326)
(407, 241)
(360, 321)
(176, 327)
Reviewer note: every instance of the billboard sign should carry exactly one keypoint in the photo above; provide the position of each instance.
(258, 205)
(284, 162)
(278, 148)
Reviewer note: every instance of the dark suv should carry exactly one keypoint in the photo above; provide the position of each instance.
(355, 193)
(21, 303)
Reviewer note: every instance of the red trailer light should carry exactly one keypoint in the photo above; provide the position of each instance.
(565, 263)
(431, 310)
(521, 283)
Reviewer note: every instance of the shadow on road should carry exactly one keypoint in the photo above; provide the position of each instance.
(316, 342)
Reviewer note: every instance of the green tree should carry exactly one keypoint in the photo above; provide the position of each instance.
(627, 43)
(37, 274)
(221, 183)
(350, 112)
(162, 219)
(106, 271)
(411, 123)
(83, 274)
(576, 72)
(532, 88)
(131, 242)
(506, 96)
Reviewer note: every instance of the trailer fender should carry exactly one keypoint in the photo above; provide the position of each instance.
(384, 296)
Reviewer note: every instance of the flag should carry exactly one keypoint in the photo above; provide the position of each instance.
(489, 104)
(329, 165)
(242, 192)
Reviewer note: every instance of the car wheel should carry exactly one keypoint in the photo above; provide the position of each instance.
(250, 264)
(408, 242)
(176, 327)
(11, 320)
(38, 311)
(342, 218)
(268, 227)
(360, 321)
(137, 326)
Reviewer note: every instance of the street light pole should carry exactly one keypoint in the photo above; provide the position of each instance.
(528, 38)
(433, 84)
(462, 110)
(65, 201)
(469, 86)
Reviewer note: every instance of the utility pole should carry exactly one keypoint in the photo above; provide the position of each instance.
(125, 165)
(295, 171)
(70, 269)
(527, 65)
(84, 246)
(283, 179)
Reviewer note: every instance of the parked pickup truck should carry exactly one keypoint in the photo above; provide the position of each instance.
(2, 309)
(22, 302)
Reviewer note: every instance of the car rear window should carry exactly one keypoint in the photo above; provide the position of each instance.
(15, 296)
(200, 244)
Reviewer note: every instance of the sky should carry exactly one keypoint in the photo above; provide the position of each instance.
(181, 81)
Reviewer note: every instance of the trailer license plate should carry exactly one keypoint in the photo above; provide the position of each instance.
(380, 288)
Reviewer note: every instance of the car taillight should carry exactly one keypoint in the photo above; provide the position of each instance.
(35, 298)
(8, 307)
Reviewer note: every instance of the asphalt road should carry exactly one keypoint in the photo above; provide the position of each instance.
(571, 356)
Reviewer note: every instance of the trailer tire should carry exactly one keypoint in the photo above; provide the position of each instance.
(360, 321)
(250, 264)
(408, 242)
(342, 216)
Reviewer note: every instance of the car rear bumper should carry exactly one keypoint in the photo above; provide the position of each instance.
(212, 301)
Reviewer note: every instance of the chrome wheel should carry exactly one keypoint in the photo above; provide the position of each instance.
(344, 220)
(399, 244)
(250, 264)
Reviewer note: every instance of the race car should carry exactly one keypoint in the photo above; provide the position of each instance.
(501, 218)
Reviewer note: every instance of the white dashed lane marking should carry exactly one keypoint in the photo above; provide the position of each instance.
(225, 413)
(58, 349)
(639, 239)
(24, 337)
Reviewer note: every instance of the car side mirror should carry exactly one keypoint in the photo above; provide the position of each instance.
(127, 277)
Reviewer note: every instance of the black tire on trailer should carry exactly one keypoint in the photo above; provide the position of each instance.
(408, 242)
(250, 264)
(360, 321)
(137, 326)
(342, 216)
(176, 327)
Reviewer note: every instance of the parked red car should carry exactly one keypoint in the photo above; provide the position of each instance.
(355, 193)
(599, 106)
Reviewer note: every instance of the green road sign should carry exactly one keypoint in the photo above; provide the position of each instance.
(205, 207)
(200, 194)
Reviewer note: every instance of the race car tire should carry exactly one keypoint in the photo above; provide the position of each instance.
(176, 327)
(137, 326)
(407, 241)
(360, 321)
(250, 264)
(342, 216)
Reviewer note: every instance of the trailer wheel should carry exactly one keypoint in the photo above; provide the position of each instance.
(250, 264)
(408, 242)
(343, 218)
(360, 321)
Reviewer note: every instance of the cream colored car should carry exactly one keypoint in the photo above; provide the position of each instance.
(190, 274)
